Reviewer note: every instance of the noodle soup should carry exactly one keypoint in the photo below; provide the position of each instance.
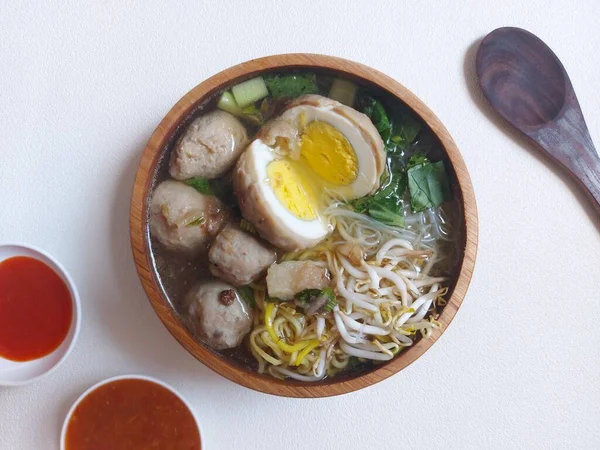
(304, 225)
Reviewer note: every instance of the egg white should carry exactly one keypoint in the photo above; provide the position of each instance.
(259, 156)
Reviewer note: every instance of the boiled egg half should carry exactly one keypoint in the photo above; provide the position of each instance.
(317, 149)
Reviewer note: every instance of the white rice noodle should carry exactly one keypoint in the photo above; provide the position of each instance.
(403, 339)
(397, 281)
(320, 327)
(297, 376)
(422, 311)
(359, 300)
(429, 264)
(374, 284)
(363, 327)
(418, 303)
(410, 285)
(386, 291)
(353, 351)
(341, 227)
(428, 281)
(413, 274)
(388, 245)
(344, 332)
(352, 271)
(375, 348)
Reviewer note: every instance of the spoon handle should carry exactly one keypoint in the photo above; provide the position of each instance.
(568, 140)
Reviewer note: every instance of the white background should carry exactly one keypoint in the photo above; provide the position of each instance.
(84, 84)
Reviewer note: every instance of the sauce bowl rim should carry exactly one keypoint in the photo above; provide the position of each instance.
(75, 326)
(133, 376)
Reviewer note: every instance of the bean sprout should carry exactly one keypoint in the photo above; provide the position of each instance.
(387, 297)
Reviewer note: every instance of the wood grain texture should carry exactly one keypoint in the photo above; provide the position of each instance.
(527, 84)
(139, 226)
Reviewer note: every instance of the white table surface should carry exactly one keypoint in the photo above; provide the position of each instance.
(83, 87)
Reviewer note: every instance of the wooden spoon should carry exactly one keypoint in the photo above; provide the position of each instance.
(527, 84)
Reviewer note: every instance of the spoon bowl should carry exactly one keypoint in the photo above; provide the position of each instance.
(525, 82)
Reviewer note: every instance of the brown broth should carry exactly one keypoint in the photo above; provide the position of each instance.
(177, 273)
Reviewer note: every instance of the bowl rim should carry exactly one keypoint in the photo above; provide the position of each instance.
(142, 255)
(88, 391)
(34, 252)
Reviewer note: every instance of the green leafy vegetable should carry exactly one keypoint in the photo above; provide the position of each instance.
(416, 159)
(328, 292)
(386, 205)
(361, 205)
(331, 300)
(404, 131)
(428, 185)
(291, 85)
(392, 183)
(219, 187)
(248, 295)
(397, 132)
(307, 295)
(386, 211)
(201, 184)
(376, 112)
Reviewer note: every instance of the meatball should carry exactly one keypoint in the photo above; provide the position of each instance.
(183, 219)
(220, 316)
(286, 279)
(209, 147)
(239, 257)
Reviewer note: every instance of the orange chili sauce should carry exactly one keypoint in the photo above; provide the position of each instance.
(132, 414)
(36, 309)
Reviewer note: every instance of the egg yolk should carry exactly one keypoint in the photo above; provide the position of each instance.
(329, 154)
(292, 189)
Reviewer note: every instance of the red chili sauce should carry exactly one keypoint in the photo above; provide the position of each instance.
(36, 309)
(132, 414)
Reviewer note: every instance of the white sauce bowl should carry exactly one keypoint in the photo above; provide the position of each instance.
(63, 434)
(15, 373)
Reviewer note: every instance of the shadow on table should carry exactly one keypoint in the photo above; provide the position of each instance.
(478, 98)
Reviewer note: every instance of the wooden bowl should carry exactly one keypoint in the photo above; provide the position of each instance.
(140, 242)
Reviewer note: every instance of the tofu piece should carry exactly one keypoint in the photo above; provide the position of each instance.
(286, 279)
